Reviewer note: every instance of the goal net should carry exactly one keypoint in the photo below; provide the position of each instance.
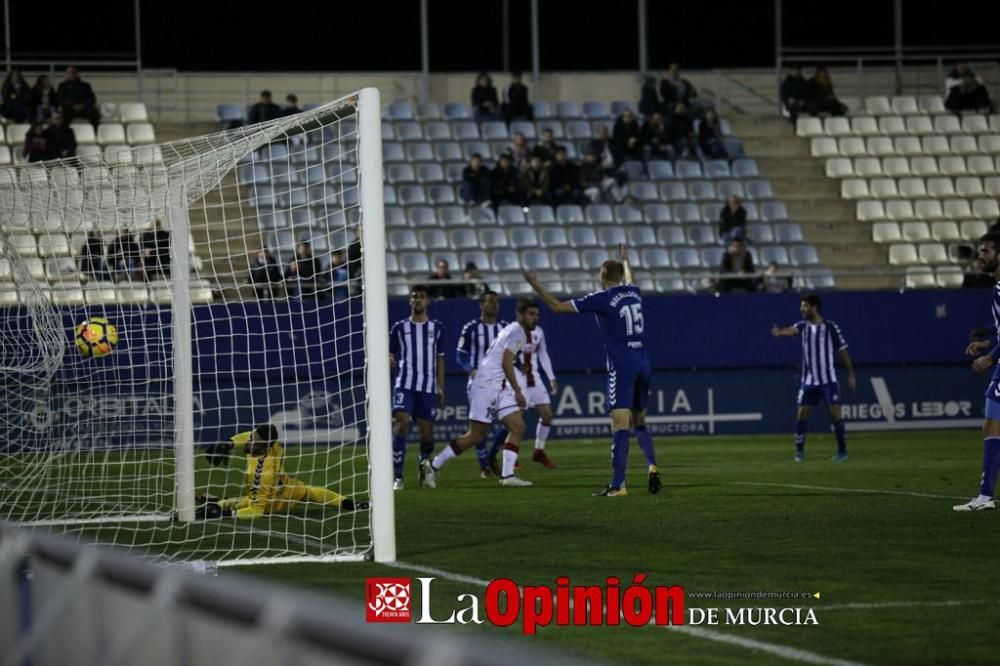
(244, 272)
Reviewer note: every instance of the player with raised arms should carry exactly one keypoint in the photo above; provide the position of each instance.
(820, 338)
(618, 310)
(416, 348)
(269, 490)
(495, 394)
(989, 255)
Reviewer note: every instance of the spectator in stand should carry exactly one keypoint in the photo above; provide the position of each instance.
(649, 100)
(36, 143)
(505, 183)
(265, 109)
(441, 273)
(737, 261)
(473, 279)
(656, 137)
(956, 75)
(564, 180)
(485, 104)
(16, 98)
(475, 187)
(339, 275)
(595, 183)
(76, 99)
(515, 100)
(124, 256)
(680, 128)
(772, 283)
(535, 183)
(796, 94)
(823, 97)
(265, 275)
(600, 146)
(732, 220)
(519, 151)
(291, 105)
(969, 95)
(92, 261)
(626, 138)
(61, 138)
(976, 276)
(155, 244)
(44, 101)
(674, 88)
(546, 148)
(304, 274)
(710, 137)
(354, 256)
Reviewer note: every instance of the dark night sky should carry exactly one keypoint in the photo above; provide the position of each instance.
(466, 34)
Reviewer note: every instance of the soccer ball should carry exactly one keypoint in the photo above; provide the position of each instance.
(96, 337)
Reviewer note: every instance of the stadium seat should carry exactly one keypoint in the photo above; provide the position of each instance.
(469, 148)
(886, 232)
(402, 239)
(969, 186)
(824, 147)
(899, 209)
(868, 211)
(774, 211)
(728, 188)
(430, 172)
(596, 110)
(111, 133)
(985, 209)
(656, 213)
(492, 239)
(957, 209)
(837, 126)
(975, 124)
(566, 109)
(904, 105)
(593, 258)
(700, 234)
(564, 259)
(671, 236)
(457, 111)
(994, 122)
(711, 257)
(972, 230)
(510, 215)
(701, 190)
(920, 277)
(839, 167)
(654, 258)
(947, 124)
(582, 237)
(421, 216)
(949, 276)
(503, 261)
(598, 214)
(903, 254)
(421, 151)
(945, 231)
(952, 165)
(535, 260)
(686, 213)
(441, 194)
(991, 185)
(660, 169)
(643, 191)
(963, 145)
(854, 188)
(919, 125)
(989, 144)
(463, 239)
(939, 187)
(851, 146)
(864, 126)
(908, 145)
(878, 105)
(803, 255)
(924, 166)
(758, 190)
(552, 237)
(523, 238)
(541, 215)
(915, 232)
(628, 214)
(673, 191)
(433, 239)
(409, 130)
(688, 169)
(760, 233)
(809, 127)
(400, 173)
(639, 236)
(880, 146)
(980, 165)
(787, 233)
(928, 209)
(892, 126)
(571, 214)
(912, 188)
(932, 253)
(745, 168)
(935, 145)
(867, 167)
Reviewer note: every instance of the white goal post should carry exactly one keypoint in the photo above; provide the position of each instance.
(245, 274)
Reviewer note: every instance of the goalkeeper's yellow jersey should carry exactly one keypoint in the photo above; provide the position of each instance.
(265, 475)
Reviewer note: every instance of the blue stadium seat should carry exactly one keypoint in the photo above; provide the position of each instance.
(657, 213)
(596, 110)
(577, 129)
(535, 260)
(452, 216)
(505, 260)
(412, 194)
(788, 233)
(570, 214)
(447, 151)
(541, 215)
(702, 234)
(402, 239)
(391, 263)
(734, 147)
(820, 279)
(543, 110)
(493, 130)
(581, 237)
(744, 168)
(400, 173)
(686, 213)
(643, 191)
(510, 215)
(393, 152)
(263, 196)
(599, 214)
(394, 217)
(400, 111)
(592, 259)
(441, 194)
(457, 111)
(453, 171)
(670, 281)
(710, 211)
(429, 111)
(523, 238)
(430, 172)
(652, 258)
(523, 127)
(388, 131)
(759, 190)
(728, 188)
(717, 169)
(297, 198)
(388, 195)
(566, 260)
(414, 263)
(326, 195)
(760, 233)
(437, 130)
(419, 151)
(469, 148)
(446, 255)
(628, 214)
(567, 110)
(701, 190)
(421, 216)
(660, 169)
(275, 151)
(433, 239)
(769, 253)
(685, 257)
(612, 236)
(463, 239)
(634, 170)
(671, 236)
(227, 113)
(483, 217)
(409, 130)
(774, 211)
(284, 176)
(803, 255)
(688, 169)
(727, 129)
(552, 237)
(711, 257)
(753, 213)
(283, 242)
(618, 105)
(254, 174)
(273, 220)
(641, 237)
(477, 257)
(465, 131)
(554, 125)
(492, 239)
(673, 191)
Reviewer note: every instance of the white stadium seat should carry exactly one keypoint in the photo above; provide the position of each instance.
(903, 254)
(932, 253)
(809, 127)
(949, 277)
(878, 106)
(886, 232)
(904, 105)
(915, 232)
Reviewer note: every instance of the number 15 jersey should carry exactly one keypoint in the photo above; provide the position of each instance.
(618, 311)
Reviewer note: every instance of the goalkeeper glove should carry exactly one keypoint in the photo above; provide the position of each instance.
(218, 454)
(350, 505)
(208, 508)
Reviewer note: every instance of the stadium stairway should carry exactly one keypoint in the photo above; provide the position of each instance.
(813, 200)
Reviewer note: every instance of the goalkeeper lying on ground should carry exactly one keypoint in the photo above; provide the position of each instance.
(269, 489)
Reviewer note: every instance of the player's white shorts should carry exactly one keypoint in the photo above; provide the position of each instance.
(491, 400)
(534, 395)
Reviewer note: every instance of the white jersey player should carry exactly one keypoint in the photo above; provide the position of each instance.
(534, 360)
(495, 393)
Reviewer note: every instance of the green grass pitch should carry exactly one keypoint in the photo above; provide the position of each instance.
(903, 579)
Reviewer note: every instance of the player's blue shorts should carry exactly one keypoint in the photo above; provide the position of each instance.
(418, 404)
(628, 388)
(809, 395)
(992, 409)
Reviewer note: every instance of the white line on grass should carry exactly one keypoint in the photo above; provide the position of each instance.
(789, 653)
(866, 491)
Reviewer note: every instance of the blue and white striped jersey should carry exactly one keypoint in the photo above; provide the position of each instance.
(820, 342)
(416, 348)
(476, 338)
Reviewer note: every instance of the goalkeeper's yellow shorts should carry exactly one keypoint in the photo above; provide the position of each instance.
(291, 493)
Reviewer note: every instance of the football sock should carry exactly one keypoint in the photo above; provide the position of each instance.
(619, 457)
(542, 434)
(426, 448)
(838, 431)
(446, 454)
(324, 495)
(483, 454)
(800, 436)
(498, 442)
(991, 465)
(398, 454)
(510, 452)
(645, 439)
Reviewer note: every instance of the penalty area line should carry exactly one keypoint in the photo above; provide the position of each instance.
(864, 491)
(776, 649)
